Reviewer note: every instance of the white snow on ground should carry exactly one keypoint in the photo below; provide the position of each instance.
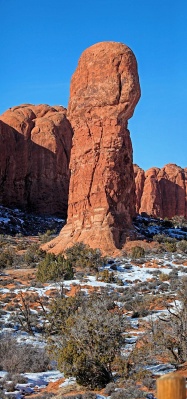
(42, 379)
(4, 290)
(36, 340)
(3, 374)
(160, 369)
(4, 220)
(67, 382)
(35, 380)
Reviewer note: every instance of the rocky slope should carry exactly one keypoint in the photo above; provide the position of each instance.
(35, 144)
(161, 192)
(104, 92)
(15, 222)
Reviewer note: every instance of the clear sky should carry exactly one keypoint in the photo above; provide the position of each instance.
(42, 40)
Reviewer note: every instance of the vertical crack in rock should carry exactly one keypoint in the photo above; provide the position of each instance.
(97, 157)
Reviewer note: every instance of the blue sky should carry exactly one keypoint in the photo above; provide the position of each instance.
(42, 40)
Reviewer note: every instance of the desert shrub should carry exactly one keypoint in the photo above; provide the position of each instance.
(164, 287)
(17, 358)
(47, 236)
(173, 278)
(141, 374)
(110, 388)
(80, 275)
(3, 240)
(9, 386)
(30, 257)
(33, 255)
(109, 277)
(128, 393)
(119, 281)
(173, 274)
(163, 276)
(6, 258)
(82, 256)
(19, 379)
(106, 276)
(21, 246)
(160, 238)
(10, 308)
(170, 246)
(149, 382)
(46, 395)
(182, 246)
(152, 285)
(5, 396)
(89, 395)
(179, 221)
(167, 335)
(60, 310)
(7, 282)
(10, 381)
(137, 252)
(139, 305)
(54, 268)
(90, 337)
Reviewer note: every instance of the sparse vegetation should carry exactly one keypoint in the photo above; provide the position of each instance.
(55, 268)
(90, 337)
(139, 305)
(17, 358)
(82, 256)
(109, 277)
(137, 252)
(47, 236)
(6, 257)
(85, 331)
(182, 246)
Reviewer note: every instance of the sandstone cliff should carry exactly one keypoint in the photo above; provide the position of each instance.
(161, 192)
(104, 92)
(35, 143)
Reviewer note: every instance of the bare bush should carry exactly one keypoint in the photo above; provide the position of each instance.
(17, 358)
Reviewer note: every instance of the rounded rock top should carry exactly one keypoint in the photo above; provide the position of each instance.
(106, 76)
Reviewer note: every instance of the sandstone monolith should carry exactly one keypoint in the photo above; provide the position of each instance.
(104, 92)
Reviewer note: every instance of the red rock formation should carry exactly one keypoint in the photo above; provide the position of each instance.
(35, 144)
(164, 191)
(104, 92)
(139, 176)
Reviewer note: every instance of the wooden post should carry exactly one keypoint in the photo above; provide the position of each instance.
(171, 386)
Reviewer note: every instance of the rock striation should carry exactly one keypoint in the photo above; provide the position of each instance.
(35, 143)
(161, 192)
(104, 92)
